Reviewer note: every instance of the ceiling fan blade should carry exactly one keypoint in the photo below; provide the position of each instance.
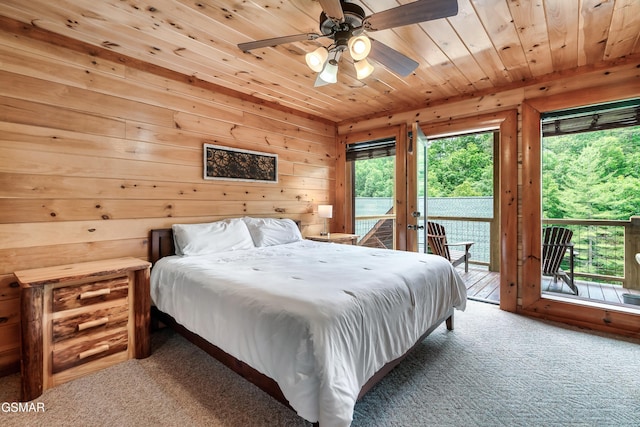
(392, 59)
(411, 13)
(245, 47)
(333, 9)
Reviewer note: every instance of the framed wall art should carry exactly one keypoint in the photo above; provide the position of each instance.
(239, 165)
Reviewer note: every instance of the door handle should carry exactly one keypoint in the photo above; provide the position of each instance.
(415, 227)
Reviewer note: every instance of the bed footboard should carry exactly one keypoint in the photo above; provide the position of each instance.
(267, 384)
(448, 319)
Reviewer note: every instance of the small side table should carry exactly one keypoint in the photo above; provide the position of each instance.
(343, 238)
(79, 318)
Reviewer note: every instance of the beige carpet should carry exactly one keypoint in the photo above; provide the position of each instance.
(495, 369)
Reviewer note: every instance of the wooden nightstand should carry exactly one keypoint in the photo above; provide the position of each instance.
(350, 239)
(79, 318)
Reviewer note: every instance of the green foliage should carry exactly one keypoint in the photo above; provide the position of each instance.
(593, 175)
(375, 177)
(459, 166)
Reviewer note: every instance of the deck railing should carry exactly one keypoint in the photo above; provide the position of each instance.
(462, 229)
(364, 224)
(604, 250)
(458, 229)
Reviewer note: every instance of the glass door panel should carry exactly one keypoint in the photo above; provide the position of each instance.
(455, 187)
(374, 190)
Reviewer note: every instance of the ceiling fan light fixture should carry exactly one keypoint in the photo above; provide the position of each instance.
(345, 23)
(316, 59)
(363, 69)
(330, 72)
(359, 47)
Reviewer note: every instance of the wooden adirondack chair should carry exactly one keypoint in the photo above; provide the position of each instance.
(556, 242)
(437, 239)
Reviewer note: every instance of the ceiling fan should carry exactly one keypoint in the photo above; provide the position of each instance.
(345, 23)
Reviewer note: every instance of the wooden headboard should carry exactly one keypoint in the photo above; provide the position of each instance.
(162, 243)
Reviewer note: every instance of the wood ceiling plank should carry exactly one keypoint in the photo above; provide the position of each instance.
(595, 19)
(470, 30)
(454, 49)
(529, 20)
(435, 71)
(625, 29)
(498, 23)
(562, 23)
(445, 37)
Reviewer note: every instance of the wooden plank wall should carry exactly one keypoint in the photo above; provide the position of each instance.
(94, 153)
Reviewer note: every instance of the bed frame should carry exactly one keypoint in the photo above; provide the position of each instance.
(161, 245)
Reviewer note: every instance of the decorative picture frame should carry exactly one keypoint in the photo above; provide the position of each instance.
(234, 164)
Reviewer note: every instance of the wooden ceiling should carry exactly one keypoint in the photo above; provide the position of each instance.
(489, 44)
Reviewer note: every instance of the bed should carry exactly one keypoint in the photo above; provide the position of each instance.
(314, 324)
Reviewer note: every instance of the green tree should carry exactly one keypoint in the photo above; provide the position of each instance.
(375, 177)
(461, 166)
(592, 175)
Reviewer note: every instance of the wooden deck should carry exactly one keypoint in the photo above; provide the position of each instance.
(484, 285)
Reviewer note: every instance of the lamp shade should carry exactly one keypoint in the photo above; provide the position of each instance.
(317, 58)
(330, 72)
(325, 211)
(363, 69)
(359, 47)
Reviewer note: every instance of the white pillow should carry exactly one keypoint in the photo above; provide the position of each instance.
(272, 231)
(211, 237)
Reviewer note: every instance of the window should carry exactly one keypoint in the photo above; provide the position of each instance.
(374, 188)
(591, 186)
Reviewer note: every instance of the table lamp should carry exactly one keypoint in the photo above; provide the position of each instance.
(325, 211)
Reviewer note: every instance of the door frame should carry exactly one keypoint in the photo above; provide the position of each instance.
(506, 170)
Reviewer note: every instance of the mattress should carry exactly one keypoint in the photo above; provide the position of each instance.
(318, 318)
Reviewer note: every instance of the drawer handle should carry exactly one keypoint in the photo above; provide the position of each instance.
(93, 294)
(93, 323)
(87, 353)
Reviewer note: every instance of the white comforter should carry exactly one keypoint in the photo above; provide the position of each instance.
(318, 318)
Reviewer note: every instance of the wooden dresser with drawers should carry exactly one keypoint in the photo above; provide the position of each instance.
(79, 318)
